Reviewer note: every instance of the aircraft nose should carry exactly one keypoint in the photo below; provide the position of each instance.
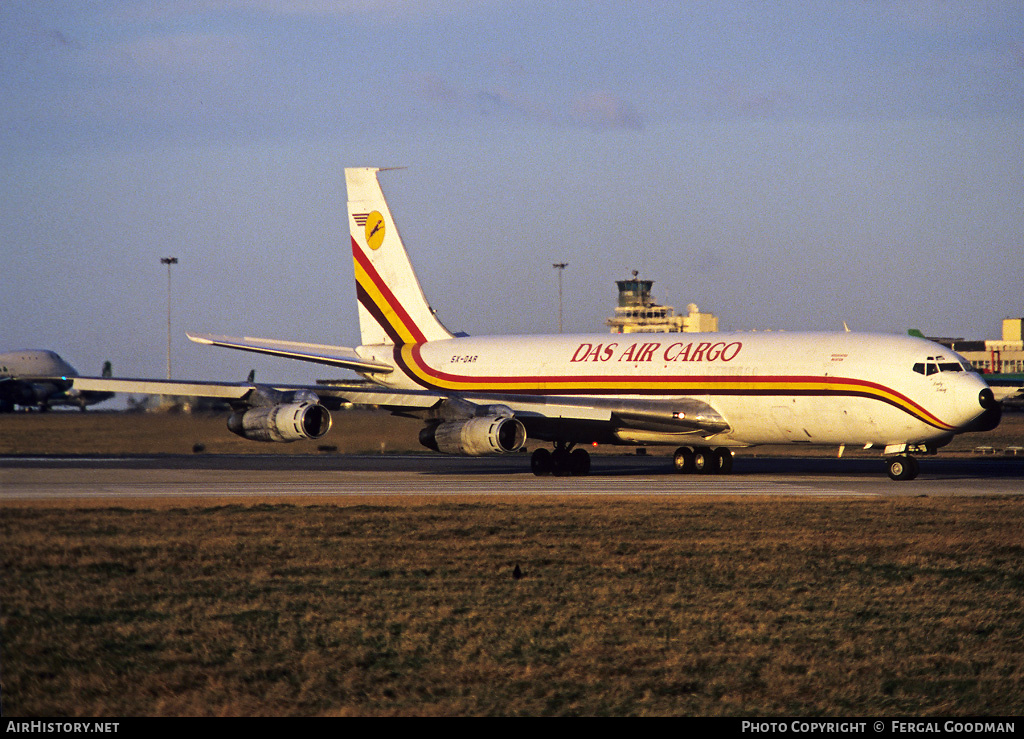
(987, 399)
(991, 414)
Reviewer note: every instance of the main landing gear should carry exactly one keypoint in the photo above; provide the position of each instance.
(564, 461)
(704, 460)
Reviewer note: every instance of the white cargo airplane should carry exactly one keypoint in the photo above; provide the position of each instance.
(706, 394)
(38, 378)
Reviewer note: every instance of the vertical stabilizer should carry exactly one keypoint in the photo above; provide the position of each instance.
(392, 307)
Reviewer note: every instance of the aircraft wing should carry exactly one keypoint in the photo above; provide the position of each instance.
(333, 394)
(336, 356)
(633, 418)
(225, 390)
(680, 415)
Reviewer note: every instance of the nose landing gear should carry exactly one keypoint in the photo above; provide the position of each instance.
(903, 467)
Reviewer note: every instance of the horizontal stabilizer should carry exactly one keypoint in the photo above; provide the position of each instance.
(336, 356)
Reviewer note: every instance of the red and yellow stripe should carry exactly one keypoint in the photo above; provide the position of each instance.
(374, 295)
(409, 358)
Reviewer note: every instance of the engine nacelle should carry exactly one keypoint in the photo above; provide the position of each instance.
(476, 436)
(283, 422)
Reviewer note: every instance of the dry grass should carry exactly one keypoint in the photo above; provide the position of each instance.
(702, 607)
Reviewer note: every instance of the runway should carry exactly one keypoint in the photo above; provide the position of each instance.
(406, 477)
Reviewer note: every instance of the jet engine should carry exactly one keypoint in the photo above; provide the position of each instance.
(283, 422)
(476, 436)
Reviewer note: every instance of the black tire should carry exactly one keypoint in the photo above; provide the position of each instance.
(541, 462)
(683, 460)
(903, 468)
(579, 463)
(560, 463)
(723, 460)
(704, 461)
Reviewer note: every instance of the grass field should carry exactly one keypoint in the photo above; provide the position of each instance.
(908, 607)
(626, 607)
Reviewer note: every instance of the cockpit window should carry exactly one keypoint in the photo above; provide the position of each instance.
(934, 365)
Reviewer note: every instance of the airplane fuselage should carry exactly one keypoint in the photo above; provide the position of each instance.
(771, 388)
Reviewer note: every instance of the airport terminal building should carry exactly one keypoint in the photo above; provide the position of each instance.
(999, 357)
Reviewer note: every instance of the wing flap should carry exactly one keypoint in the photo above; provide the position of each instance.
(335, 356)
(668, 415)
(369, 394)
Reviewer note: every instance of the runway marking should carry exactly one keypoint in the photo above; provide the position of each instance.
(445, 487)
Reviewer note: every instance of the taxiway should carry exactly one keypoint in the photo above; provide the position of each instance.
(326, 477)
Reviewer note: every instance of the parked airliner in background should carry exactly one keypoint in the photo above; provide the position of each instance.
(38, 378)
(706, 394)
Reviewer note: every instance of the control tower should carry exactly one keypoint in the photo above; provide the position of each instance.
(637, 313)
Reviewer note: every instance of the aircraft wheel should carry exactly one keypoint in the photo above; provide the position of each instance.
(579, 463)
(704, 461)
(541, 462)
(903, 468)
(723, 460)
(560, 463)
(683, 460)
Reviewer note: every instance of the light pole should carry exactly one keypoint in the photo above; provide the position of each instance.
(561, 268)
(168, 261)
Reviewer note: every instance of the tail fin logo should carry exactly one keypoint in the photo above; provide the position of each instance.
(374, 225)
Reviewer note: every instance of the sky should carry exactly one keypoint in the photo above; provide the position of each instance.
(785, 165)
